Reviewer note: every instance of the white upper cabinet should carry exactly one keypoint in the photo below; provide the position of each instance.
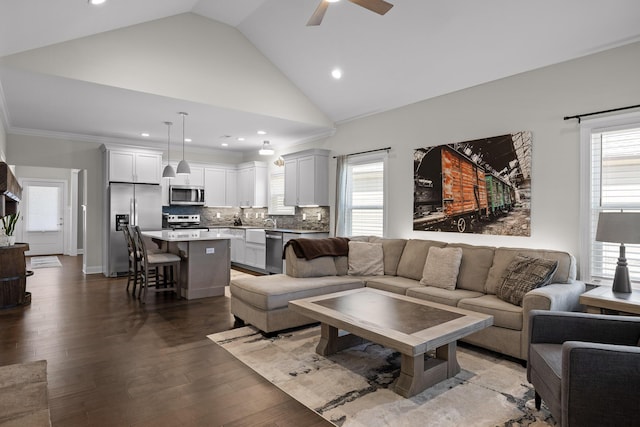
(217, 182)
(252, 184)
(306, 178)
(196, 177)
(133, 166)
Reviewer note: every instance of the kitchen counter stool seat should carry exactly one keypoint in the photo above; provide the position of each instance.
(150, 264)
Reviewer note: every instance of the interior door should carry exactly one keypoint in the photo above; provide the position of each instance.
(42, 208)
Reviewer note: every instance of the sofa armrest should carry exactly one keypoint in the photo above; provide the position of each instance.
(598, 384)
(559, 327)
(554, 297)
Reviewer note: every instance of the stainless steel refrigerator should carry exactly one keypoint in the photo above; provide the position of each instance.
(135, 204)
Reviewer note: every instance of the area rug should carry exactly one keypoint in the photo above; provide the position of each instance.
(23, 395)
(44, 262)
(355, 386)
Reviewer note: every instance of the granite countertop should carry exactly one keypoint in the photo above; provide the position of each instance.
(295, 230)
(186, 235)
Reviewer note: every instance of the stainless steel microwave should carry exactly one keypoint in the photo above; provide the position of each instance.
(186, 195)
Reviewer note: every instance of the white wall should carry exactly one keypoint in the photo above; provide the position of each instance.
(3, 140)
(25, 150)
(536, 101)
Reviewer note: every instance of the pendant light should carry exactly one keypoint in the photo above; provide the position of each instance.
(168, 171)
(266, 149)
(183, 166)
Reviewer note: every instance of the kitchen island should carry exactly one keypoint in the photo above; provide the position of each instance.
(206, 259)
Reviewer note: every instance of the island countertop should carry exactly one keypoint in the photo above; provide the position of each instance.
(186, 235)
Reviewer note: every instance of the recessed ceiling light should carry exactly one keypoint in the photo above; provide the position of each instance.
(261, 132)
(145, 134)
(224, 144)
(187, 140)
(336, 73)
(333, 1)
(96, 2)
(241, 139)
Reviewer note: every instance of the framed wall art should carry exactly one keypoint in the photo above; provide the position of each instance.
(481, 186)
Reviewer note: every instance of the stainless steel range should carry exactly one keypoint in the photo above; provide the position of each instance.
(182, 222)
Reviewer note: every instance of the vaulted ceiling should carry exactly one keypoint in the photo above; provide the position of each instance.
(109, 73)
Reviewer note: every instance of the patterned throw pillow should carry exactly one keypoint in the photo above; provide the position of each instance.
(524, 274)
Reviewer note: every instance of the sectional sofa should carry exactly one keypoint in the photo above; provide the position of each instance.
(478, 286)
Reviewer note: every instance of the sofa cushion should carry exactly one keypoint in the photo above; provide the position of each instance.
(442, 296)
(523, 275)
(395, 284)
(318, 267)
(441, 267)
(275, 291)
(505, 315)
(475, 266)
(392, 249)
(503, 256)
(414, 256)
(342, 265)
(365, 259)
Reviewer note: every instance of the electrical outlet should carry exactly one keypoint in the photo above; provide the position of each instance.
(256, 215)
(319, 216)
(217, 214)
(262, 215)
(246, 215)
(304, 216)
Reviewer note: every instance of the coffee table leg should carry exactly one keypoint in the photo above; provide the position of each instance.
(331, 341)
(418, 374)
(328, 340)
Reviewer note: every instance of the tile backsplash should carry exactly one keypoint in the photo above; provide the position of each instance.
(316, 218)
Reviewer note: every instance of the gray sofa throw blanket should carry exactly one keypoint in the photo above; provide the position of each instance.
(316, 248)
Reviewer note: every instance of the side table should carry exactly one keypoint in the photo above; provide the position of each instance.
(603, 300)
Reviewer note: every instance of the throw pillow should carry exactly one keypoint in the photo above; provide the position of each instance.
(365, 259)
(441, 267)
(524, 274)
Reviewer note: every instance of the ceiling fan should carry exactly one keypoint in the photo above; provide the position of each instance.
(378, 6)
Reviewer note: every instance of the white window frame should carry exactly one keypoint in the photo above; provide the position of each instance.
(587, 231)
(363, 159)
(278, 208)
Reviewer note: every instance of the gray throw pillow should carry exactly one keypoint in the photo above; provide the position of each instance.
(524, 274)
(441, 267)
(365, 259)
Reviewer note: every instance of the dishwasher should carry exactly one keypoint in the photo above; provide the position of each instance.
(275, 244)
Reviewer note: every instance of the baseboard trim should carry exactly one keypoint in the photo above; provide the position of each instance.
(92, 270)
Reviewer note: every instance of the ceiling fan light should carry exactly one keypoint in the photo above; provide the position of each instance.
(266, 149)
(168, 172)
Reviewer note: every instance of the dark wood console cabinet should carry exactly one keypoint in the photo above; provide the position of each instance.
(13, 276)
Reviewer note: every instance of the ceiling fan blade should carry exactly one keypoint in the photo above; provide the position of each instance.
(378, 6)
(317, 16)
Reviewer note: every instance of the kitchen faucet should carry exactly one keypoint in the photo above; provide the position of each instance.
(273, 221)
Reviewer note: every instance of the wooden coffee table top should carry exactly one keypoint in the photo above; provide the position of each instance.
(410, 325)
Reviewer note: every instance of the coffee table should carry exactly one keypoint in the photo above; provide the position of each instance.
(409, 325)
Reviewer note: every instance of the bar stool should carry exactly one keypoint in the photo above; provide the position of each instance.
(151, 262)
(134, 259)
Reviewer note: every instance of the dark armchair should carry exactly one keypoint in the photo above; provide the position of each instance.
(586, 367)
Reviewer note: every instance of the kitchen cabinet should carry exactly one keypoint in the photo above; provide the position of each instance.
(255, 248)
(306, 178)
(196, 177)
(237, 245)
(143, 167)
(252, 184)
(220, 186)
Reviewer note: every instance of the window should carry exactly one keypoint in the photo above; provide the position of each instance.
(276, 194)
(614, 185)
(364, 196)
(44, 208)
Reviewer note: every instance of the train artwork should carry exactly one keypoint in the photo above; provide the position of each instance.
(474, 187)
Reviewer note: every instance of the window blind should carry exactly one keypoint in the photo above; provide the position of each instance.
(276, 195)
(365, 198)
(615, 186)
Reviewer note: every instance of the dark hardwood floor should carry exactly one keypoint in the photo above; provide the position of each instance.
(114, 362)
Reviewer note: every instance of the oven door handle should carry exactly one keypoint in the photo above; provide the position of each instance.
(271, 236)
